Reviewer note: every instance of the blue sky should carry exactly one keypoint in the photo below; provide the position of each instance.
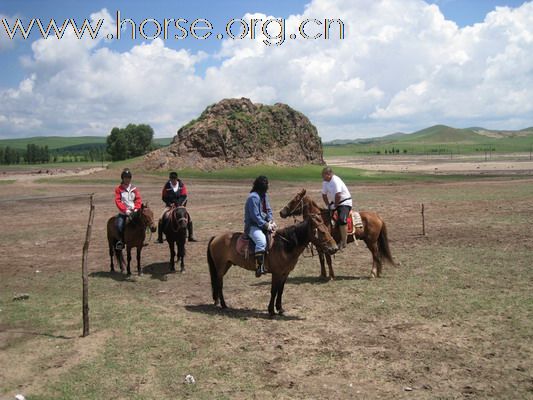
(403, 65)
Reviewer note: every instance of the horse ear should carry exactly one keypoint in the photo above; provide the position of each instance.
(302, 192)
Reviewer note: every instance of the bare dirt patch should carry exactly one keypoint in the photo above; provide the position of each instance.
(454, 321)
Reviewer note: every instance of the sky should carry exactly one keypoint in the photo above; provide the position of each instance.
(400, 65)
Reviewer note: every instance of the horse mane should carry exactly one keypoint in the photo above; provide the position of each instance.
(292, 236)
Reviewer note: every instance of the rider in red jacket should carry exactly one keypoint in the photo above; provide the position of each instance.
(128, 200)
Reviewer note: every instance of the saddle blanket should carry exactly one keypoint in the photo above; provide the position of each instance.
(246, 246)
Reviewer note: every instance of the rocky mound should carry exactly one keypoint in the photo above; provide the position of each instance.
(235, 132)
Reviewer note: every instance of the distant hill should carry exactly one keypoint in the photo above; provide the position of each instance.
(439, 134)
(438, 138)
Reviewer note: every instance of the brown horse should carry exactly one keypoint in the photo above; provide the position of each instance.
(134, 235)
(175, 230)
(288, 244)
(374, 232)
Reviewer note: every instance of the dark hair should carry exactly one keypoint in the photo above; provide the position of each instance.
(327, 170)
(173, 175)
(126, 173)
(260, 185)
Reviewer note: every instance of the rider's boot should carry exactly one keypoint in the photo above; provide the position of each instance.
(160, 231)
(191, 233)
(260, 261)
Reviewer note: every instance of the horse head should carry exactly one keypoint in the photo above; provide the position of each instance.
(293, 207)
(147, 216)
(321, 236)
(179, 218)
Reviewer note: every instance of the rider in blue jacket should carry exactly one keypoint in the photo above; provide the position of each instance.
(258, 220)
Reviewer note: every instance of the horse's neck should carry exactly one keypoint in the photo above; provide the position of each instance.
(301, 231)
(312, 207)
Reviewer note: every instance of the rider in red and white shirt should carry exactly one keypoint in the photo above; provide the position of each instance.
(128, 200)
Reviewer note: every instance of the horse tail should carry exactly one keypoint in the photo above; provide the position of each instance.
(212, 271)
(383, 244)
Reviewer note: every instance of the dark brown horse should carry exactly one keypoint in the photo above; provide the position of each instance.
(175, 230)
(374, 232)
(288, 244)
(134, 235)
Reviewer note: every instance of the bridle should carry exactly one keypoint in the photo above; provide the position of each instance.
(174, 222)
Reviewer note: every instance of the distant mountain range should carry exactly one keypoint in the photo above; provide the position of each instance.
(440, 134)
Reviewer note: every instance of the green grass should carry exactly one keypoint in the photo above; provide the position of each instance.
(7, 181)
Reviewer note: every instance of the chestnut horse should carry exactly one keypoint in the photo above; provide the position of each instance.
(175, 230)
(288, 244)
(374, 232)
(134, 235)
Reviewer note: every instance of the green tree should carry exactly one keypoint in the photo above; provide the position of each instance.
(132, 141)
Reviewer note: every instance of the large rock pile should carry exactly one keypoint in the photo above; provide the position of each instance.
(235, 132)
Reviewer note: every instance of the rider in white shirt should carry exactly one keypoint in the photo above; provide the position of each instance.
(336, 196)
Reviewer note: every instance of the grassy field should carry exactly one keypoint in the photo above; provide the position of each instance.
(454, 321)
(58, 142)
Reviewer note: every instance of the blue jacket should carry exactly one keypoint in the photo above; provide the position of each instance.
(254, 213)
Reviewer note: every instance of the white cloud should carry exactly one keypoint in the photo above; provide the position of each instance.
(402, 66)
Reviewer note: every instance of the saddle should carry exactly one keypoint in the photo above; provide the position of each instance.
(246, 246)
(353, 221)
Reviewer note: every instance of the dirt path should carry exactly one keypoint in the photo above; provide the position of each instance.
(30, 176)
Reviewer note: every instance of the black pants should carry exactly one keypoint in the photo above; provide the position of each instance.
(121, 223)
(343, 212)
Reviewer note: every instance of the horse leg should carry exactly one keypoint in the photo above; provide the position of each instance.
(376, 262)
(330, 267)
(279, 307)
(128, 251)
(274, 289)
(181, 255)
(111, 253)
(322, 265)
(220, 292)
(120, 260)
(139, 249)
(172, 255)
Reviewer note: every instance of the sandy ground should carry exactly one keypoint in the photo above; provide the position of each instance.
(438, 165)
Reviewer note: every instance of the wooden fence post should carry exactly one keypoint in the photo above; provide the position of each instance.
(84, 269)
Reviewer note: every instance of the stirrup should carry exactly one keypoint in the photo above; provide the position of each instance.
(119, 245)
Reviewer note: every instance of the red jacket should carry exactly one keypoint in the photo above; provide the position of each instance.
(127, 198)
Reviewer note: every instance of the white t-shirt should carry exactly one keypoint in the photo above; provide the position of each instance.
(334, 186)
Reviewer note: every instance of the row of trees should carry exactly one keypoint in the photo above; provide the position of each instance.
(33, 154)
(121, 144)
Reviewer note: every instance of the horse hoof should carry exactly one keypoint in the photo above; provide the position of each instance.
(281, 311)
(141, 274)
(182, 270)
